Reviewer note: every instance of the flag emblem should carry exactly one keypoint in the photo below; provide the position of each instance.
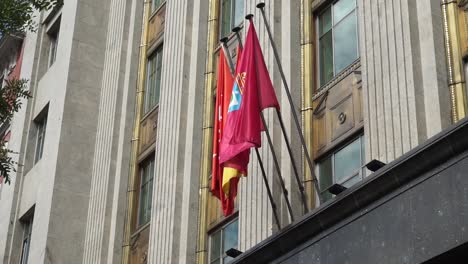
(237, 91)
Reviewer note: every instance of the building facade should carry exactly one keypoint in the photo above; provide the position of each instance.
(115, 147)
(66, 202)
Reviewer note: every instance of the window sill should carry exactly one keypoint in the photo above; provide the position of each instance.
(337, 78)
(230, 37)
(155, 12)
(222, 221)
(140, 229)
(147, 114)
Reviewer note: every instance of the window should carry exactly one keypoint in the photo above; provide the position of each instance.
(41, 125)
(155, 5)
(232, 15)
(338, 38)
(146, 191)
(53, 35)
(27, 230)
(153, 80)
(345, 167)
(222, 240)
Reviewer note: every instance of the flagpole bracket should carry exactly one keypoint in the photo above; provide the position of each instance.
(305, 109)
(261, 5)
(224, 40)
(236, 29)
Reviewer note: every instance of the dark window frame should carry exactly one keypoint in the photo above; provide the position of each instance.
(359, 173)
(27, 225)
(153, 80)
(40, 124)
(234, 7)
(220, 229)
(145, 188)
(53, 34)
(156, 4)
(321, 80)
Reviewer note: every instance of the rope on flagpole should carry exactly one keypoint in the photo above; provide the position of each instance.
(259, 158)
(275, 159)
(261, 6)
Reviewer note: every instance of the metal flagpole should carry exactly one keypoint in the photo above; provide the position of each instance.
(273, 152)
(288, 145)
(236, 31)
(259, 158)
(261, 6)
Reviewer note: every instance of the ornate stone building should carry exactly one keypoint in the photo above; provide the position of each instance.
(116, 144)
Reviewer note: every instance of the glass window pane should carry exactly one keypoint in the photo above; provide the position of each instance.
(150, 195)
(143, 206)
(325, 22)
(347, 161)
(225, 17)
(231, 235)
(238, 12)
(156, 4)
(325, 173)
(158, 77)
(215, 247)
(325, 177)
(227, 259)
(345, 41)
(326, 58)
(342, 8)
(352, 181)
(216, 261)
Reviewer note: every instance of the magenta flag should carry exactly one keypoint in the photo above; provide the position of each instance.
(252, 92)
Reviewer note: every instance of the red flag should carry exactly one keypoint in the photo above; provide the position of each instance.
(224, 88)
(252, 92)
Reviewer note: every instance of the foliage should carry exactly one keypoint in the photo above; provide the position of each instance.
(17, 15)
(10, 102)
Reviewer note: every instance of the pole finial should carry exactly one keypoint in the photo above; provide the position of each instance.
(249, 16)
(236, 29)
(224, 40)
(261, 5)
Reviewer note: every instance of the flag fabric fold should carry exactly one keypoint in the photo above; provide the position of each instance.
(223, 94)
(252, 91)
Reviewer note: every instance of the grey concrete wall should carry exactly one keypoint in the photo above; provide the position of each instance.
(9, 193)
(404, 75)
(90, 93)
(102, 79)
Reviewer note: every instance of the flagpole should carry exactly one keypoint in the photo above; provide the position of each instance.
(259, 158)
(288, 145)
(236, 31)
(261, 6)
(275, 159)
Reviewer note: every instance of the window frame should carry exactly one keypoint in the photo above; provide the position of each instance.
(26, 239)
(148, 162)
(155, 7)
(53, 35)
(232, 16)
(157, 55)
(333, 25)
(360, 172)
(221, 228)
(41, 129)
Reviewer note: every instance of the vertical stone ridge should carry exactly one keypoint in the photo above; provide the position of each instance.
(104, 137)
(387, 61)
(255, 215)
(166, 163)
